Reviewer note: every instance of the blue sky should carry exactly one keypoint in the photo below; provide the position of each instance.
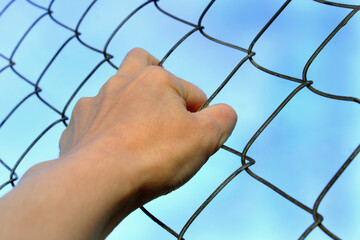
(299, 152)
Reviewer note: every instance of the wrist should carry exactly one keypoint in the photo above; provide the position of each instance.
(91, 167)
(79, 190)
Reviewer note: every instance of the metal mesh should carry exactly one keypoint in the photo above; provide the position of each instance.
(246, 161)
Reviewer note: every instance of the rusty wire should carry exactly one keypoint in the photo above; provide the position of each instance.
(246, 161)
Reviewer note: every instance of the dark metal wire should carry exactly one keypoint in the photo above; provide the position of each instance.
(246, 161)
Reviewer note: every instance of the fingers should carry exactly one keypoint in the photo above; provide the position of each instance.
(223, 120)
(223, 115)
(136, 60)
(194, 97)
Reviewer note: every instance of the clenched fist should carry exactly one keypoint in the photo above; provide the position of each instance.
(140, 137)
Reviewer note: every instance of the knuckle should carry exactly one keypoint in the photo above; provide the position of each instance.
(82, 104)
(63, 141)
(118, 80)
(137, 51)
(157, 75)
(66, 139)
(112, 80)
(84, 101)
(111, 84)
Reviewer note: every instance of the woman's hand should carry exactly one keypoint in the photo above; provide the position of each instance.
(142, 136)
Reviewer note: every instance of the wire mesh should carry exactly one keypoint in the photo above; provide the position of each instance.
(302, 84)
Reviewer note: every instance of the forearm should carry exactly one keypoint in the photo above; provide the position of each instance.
(70, 198)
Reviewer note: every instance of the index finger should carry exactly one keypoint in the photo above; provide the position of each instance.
(194, 97)
(136, 60)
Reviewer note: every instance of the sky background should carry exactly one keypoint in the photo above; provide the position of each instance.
(298, 152)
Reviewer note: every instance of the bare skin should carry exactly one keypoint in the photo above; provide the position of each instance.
(141, 137)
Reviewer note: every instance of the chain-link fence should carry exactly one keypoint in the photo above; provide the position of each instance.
(41, 13)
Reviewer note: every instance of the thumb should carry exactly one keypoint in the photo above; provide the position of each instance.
(223, 118)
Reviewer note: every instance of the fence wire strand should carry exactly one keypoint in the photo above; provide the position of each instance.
(246, 161)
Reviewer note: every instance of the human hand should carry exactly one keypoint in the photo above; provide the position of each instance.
(140, 137)
(145, 124)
